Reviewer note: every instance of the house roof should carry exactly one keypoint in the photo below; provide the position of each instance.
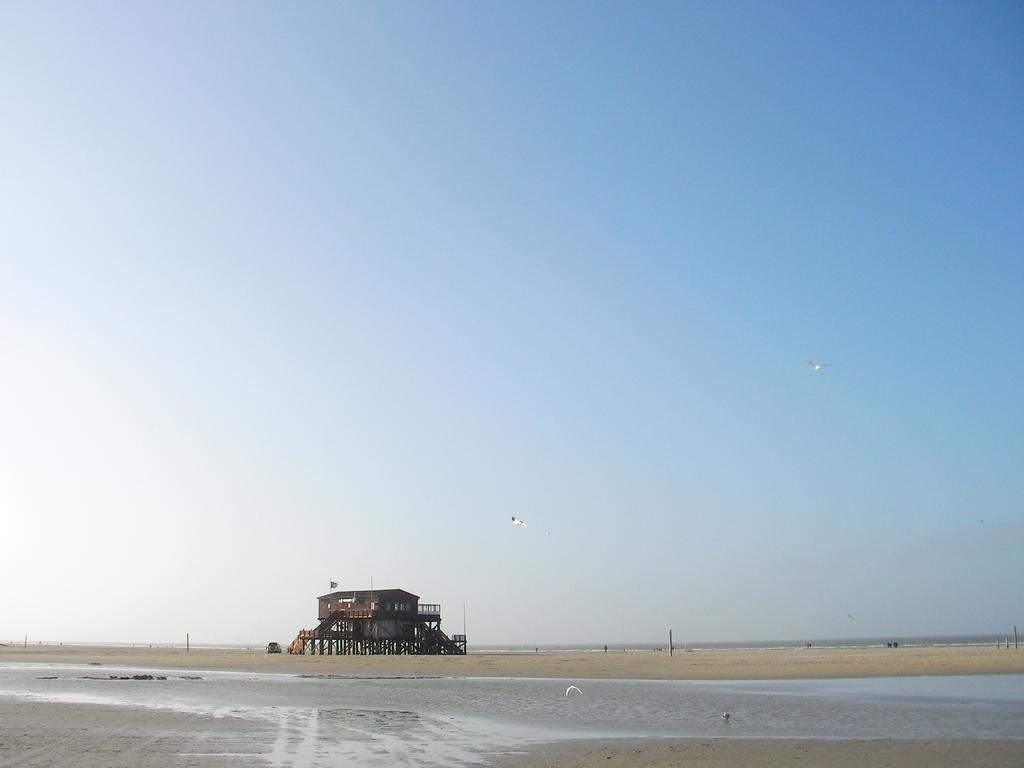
(359, 594)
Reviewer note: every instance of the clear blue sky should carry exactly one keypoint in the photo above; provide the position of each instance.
(299, 292)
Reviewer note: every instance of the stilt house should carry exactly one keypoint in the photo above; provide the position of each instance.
(379, 621)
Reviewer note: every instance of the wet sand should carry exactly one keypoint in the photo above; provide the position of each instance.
(49, 735)
(751, 753)
(46, 734)
(786, 663)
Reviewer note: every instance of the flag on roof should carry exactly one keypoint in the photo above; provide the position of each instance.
(334, 585)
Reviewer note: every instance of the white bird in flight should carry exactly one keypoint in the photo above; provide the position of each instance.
(818, 366)
(517, 521)
(572, 688)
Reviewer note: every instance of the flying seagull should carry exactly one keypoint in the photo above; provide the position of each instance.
(572, 688)
(850, 616)
(517, 521)
(818, 366)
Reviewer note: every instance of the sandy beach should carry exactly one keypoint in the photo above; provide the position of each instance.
(787, 663)
(43, 734)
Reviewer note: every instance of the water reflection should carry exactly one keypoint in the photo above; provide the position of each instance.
(447, 721)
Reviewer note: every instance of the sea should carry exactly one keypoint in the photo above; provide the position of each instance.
(743, 645)
(679, 644)
(245, 718)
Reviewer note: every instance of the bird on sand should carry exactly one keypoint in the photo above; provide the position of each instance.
(572, 688)
(818, 366)
(726, 716)
(517, 521)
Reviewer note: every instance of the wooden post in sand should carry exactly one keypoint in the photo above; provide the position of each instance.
(670, 642)
(1015, 646)
(187, 642)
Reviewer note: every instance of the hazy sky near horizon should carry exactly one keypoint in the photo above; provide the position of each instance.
(300, 292)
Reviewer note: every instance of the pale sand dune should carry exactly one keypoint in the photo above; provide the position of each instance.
(696, 665)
